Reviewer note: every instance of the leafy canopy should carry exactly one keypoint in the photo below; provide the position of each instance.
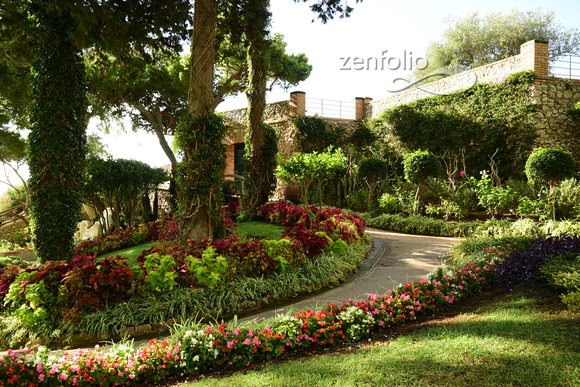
(477, 40)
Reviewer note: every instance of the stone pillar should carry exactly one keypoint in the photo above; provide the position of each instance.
(297, 103)
(534, 56)
(368, 106)
(359, 108)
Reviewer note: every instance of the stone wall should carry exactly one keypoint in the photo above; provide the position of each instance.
(552, 98)
(8, 229)
(273, 112)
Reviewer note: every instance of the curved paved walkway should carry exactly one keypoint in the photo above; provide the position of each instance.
(395, 259)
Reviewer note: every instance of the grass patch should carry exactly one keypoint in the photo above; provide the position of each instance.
(130, 252)
(510, 342)
(260, 230)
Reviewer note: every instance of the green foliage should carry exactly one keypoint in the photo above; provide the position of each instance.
(447, 209)
(201, 142)
(57, 138)
(210, 269)
(373, 171)
(314, 134)
(494, 199)
(311, 168)
(484, 120)
(11, 261)
(12, 147)
(420, 165)
(476, 40)
(121, 184)
(34, 305)
(160, 272)
(549, 166)
(390, 204)
(422, 225)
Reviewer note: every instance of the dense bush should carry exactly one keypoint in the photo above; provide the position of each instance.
(523, 267)
(373, 171)
(420, 165)
(549, 166)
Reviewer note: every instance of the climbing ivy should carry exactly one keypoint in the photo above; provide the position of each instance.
(487, 119)
(57, 138)
(314, 134)
(201, 142)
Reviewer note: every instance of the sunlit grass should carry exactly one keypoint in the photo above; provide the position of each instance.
(260, 230)
(130, 252)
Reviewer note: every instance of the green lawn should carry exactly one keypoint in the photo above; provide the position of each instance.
(130, 252)
(260, 230)
(252, 229)
(511, 342)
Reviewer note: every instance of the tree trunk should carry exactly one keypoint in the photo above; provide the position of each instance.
(195, 218)
(258, 184)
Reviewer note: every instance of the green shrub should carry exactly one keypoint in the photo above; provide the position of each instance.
(390, 204)
(422, 225)
(481, 121)
(359, 201)
(568, 199)
(12, 261)
(314, 134)
(447, 209)
(494, 199)
(373, 171)
(549, 166)
(420, 165)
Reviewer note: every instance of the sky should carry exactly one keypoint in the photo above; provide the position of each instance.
(398, 31)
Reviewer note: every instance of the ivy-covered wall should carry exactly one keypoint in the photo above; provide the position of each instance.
(488, 120)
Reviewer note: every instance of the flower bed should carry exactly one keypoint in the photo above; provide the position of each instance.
(207, 348)
(52, 299)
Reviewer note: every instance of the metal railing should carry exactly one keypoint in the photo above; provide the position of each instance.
(567, 66)
(328, 108)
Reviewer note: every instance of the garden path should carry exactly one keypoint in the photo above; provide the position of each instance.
(395, 259)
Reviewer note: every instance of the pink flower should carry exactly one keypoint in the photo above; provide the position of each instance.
(41, 377)
(461, 173)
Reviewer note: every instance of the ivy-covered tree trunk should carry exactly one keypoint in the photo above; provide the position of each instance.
(259, 167)
(57, 134)
(201, 137)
